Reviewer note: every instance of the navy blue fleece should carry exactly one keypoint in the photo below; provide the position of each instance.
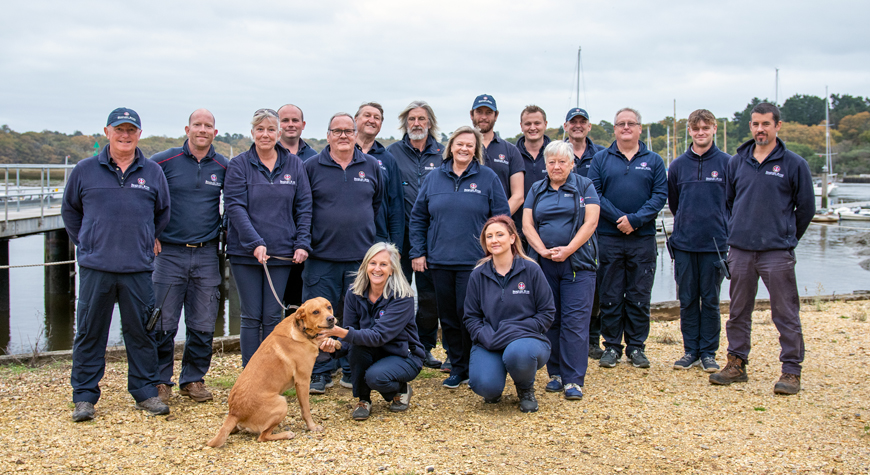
(502, 309)
(390, 223)
(696, 197)
(582, 164)
(271, 209)
(450, 212)
(414, 166)
(195, 187)
(345, 203)
(388, 324)
(771, 203)
(637, 189)
(113, 218)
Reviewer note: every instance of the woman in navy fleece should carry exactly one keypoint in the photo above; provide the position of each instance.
(452, 205)
(385, 352)
(508, 308)
(268, 201)
(559, 221)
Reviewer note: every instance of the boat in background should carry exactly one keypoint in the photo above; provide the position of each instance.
(853, 214)
(828, 216)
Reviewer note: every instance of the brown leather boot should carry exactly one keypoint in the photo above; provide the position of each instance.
(733, 372)
(164, 392)
(788, 384)
(196, 391)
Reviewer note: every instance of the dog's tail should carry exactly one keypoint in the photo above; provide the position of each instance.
(224, 431)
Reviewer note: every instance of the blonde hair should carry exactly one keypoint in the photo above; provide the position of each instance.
(478, 149)
(397, 285)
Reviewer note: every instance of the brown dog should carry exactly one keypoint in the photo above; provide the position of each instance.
(285, 357)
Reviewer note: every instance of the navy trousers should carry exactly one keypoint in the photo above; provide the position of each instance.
(521, 359)
(625, 277)
(595, 320)
(186, 277)
(427, 308)
(373, 369)
(260, 312)
(776, 269)
(98, 292)
(330, 280)
(699, 279)
(573, 294)
(450, 289)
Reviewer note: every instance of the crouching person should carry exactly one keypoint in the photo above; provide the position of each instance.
(508, 309)
(385, 353)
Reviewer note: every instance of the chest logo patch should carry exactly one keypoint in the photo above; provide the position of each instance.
(776, 168)
(362, 177)
(643, 164)
(714, 174)
(501, 156)
(141, 181)
(521, 289)
(362, 174)
(287, 180)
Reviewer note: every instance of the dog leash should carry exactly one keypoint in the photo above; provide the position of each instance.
(272, 286)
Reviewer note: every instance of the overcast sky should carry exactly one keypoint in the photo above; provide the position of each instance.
(65, 65)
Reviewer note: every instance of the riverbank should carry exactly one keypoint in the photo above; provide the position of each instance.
(631, 420)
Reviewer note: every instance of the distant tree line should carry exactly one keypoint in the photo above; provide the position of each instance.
(803, 129)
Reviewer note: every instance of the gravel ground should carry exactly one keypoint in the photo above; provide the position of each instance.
(630, 420)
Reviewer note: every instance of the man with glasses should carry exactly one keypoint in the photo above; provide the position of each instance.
(417, 154)
(577, 127)
(187, 272)
(114, 206)
(347, 190)
(292, 123)
(502, 156)
(632, 185)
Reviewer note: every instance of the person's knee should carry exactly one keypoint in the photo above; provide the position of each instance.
(487, 387)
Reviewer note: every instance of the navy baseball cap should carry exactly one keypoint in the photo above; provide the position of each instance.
(122, 115)
(575, 112)
(484, 100)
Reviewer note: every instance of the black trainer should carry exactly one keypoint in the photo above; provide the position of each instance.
(609, 358)
(638, 359)
(595, 352)
(84, 411)
(430, 361)
(688, 361)
(528, 403)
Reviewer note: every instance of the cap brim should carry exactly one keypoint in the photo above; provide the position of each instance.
(576, 115)
(494, 109)
(124, 121)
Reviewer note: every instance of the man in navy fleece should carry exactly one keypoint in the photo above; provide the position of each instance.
(187, 271)
(114, 206)
(769, 195)
(632, 186)
(696, 196)
(347, 189)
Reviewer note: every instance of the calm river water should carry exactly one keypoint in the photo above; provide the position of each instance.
(825, 265)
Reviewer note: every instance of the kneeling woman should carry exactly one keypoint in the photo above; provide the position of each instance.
(385, 352)
(508, 309)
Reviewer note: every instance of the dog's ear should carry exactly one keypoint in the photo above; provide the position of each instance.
(300, 312)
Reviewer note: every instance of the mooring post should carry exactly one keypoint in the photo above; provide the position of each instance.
(60, 292)
(4, 296)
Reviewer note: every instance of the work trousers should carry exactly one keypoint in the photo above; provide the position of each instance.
(373, 369)
(776, 269)
(260, 312)
(450, 289)
(521, 359)
(699, 279)
(330, 280)
(98, 291)
(427, 308)
(573, 294)
(625, 276)
(186, 277)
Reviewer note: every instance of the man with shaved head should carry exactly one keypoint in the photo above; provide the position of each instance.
(292, 123)
(186, 270)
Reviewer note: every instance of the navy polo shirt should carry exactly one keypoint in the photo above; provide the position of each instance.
(414, 166)
(554, 212)
(195, 188)
(267, 208)
(505, 160)
(345, 203)
(536, 168)
(113, 217)
(582, 164)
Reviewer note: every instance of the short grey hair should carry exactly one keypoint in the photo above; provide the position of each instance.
(340, 114)
(433, 122)
(628, 109)
(397, 285)
(558, 148)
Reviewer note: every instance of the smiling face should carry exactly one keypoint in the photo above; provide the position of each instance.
(341, 136)
(702, 134)
(290, 120)
(483, 118)
(577, 128)
(265, 134)
(533, 126)
(123, 139)
(498, 239)
(369, 121)
(764, 128)
(200, 132)
(379, 269)
(626, 127)
(463, 149)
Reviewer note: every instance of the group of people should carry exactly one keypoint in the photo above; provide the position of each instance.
(524, 255)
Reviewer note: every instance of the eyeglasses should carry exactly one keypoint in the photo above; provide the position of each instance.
(622, 125)
(340, 132)
(266, 111)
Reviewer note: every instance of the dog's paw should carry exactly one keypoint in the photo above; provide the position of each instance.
(315, 428)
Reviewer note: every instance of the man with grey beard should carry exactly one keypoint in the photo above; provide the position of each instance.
(417, 154)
